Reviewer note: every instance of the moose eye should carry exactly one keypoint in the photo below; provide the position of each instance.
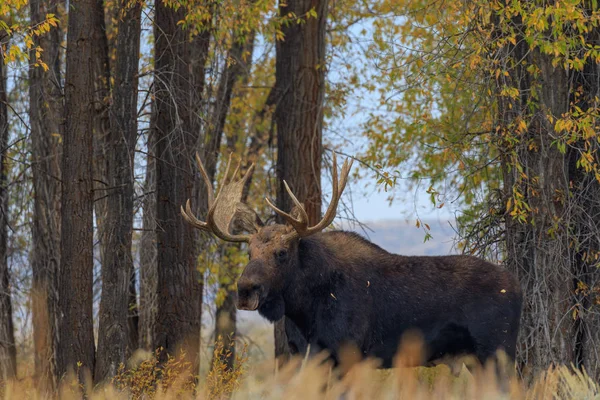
(281, 254)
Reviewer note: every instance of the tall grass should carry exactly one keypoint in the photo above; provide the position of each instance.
(306, 379)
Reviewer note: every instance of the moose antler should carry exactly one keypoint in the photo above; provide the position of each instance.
(300, 224)
(223, 208)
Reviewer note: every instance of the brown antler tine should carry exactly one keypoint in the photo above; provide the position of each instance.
(190, 218)
(345, 172)
(208, 183)
(237, 170)
(301, 228)
(334, 176)
(297, 224)
(188, 208)
(224, 180)
(186, 217)
(337, 190)
(248, 173)
(303, 215)
(277, 210)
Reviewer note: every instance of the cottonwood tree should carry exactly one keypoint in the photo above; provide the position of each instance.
(148, 272)
(23, 36)
(147, 253)
(117, 264)
(300, 89)
(76, 336)
(498, 110)
(46, 122)
(179, 283)
(547, 131)
(8, 351)
(235, 71)
(101, 61)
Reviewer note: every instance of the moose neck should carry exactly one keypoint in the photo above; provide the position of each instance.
(311, 281)
(329, 264)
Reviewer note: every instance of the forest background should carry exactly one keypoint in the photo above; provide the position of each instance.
(484, 111)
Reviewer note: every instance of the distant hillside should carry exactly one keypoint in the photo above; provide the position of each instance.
(403, 237)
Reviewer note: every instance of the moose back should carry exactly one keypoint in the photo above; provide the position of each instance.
(336, 288)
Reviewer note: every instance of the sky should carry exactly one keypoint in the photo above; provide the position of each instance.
(343, 132)
(373, 205)
(369, 201)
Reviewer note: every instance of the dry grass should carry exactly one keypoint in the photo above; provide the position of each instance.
(314, 379)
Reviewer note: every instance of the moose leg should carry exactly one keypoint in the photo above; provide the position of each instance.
(297, 343)
(490, 356)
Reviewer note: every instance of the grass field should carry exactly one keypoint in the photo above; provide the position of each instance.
(305, 379)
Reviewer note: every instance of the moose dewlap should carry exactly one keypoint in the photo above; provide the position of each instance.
(334, 288)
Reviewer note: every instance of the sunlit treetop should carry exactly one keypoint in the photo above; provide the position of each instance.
(17, 35)
(434, 67)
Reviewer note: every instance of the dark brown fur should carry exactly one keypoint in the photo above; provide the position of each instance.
(336, 287)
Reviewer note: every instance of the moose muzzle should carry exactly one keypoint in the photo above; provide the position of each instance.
(251, 288)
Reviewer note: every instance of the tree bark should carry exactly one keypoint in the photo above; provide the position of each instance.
(226, 318)
(117, 268)
(300, 87)
(76, 344)
(101, 126)
(148, 256)
(8, 351)
(133, 317)
(559, 323)
(226, 313)
(530, 257)
(179, 302)
(587, 191)
(46, 121)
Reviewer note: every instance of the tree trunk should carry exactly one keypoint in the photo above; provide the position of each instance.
(8, 351)
(76, 344)
(300, 87)
(148, 256)
(101, 127)
(46, 121)
(179, 302)
(548, 252)
(133, 317)
(226, 313)
(545, 335)
(226, 317)
(587, 193)
(117, 268)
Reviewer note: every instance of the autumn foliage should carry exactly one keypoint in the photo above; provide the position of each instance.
(490, 109)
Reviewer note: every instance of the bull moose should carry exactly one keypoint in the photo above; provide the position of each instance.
(335, 287)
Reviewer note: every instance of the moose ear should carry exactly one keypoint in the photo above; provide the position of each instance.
(246, 219)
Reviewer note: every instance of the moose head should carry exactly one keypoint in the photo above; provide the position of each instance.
(273, 249)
